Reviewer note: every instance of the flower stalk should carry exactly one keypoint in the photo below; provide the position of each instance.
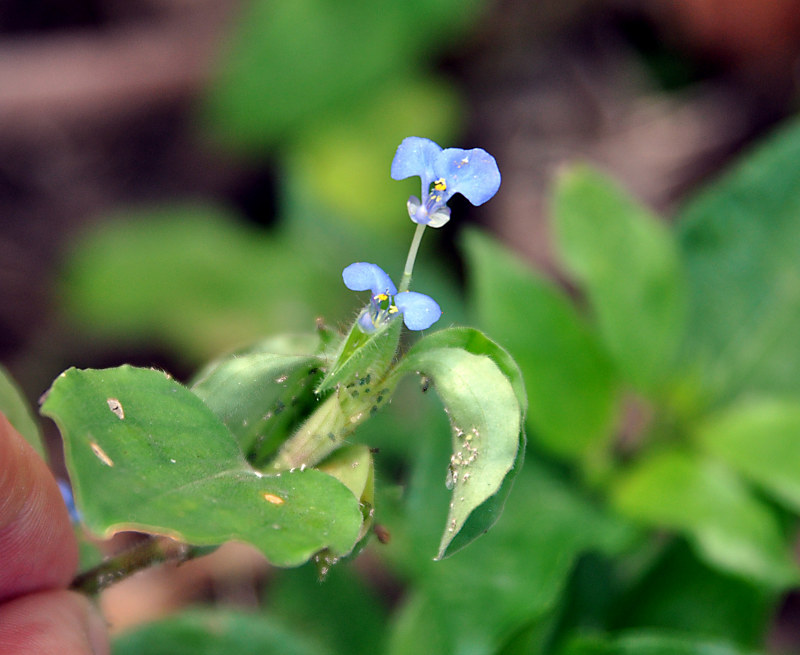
(405, 282)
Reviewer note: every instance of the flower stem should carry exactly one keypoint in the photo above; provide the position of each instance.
(412, 256)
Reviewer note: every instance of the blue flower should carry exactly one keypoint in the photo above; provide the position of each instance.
(419, 311)
(69, 501)
(472, 173)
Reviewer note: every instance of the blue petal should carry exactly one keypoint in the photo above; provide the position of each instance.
(416, 156)
(419, 311)
(365, 322)
(362, 276)
(472, 173)
(69, 501)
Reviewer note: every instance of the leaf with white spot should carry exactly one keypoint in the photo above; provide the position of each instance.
(484, 396)
(158, 460)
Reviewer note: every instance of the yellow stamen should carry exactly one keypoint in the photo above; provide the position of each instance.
(393, 309)
(440, 185)
(381, 297)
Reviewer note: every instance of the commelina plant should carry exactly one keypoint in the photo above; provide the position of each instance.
(257, 447)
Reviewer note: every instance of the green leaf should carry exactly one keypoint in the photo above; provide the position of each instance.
(18, 413)
(651, 642)
(628, 264)
(262, 392)
(485, 417)
(739, 241)
(761, 440)
(700, 498)
(570, 381)
(472, 602)
(476, 342)
(145, 453)
(204, 632)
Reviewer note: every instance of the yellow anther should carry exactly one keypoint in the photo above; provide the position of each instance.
(381, 297)
(440, 184)
(393, 309)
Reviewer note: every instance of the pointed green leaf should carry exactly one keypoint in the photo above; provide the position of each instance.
(730, 528)
(486, 421)
(761, 440)
(145, 453)
(570, 380)
(18, 413)
(627, 262)
(739, 238)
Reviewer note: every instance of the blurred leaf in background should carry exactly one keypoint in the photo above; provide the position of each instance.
(739, 241)
(288, 64)
(15, 407)
(216, 633)
(572, 387)
(627, 263)
(196, 279)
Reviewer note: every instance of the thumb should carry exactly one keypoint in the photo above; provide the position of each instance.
(37, 546)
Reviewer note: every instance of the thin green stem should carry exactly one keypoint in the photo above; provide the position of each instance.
(412, 256)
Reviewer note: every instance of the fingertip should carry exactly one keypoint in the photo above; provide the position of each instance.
(60, 621)
(37, 544)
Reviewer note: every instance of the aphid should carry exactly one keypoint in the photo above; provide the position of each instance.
(426, 383)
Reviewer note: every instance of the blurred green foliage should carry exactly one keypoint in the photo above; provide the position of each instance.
(15, 408)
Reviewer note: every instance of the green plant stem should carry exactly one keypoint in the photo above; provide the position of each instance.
(153, 550)
(405, 282)
(320, 435)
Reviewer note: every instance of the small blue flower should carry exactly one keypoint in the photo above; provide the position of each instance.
(69, 501)
(419, 311)
(472, 173)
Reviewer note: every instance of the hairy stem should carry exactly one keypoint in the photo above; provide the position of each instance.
(153, 550)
